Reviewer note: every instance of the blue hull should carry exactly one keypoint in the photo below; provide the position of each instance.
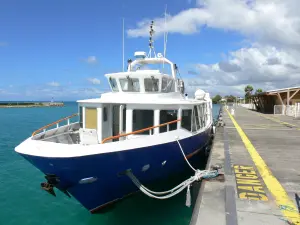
(110, 185)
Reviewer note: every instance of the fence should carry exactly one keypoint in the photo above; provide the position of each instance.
(297, 113)
(248, 106)
(287, 110)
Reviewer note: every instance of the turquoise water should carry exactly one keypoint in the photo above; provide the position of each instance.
(23, 202)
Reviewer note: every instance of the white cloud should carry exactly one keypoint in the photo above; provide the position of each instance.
(255, 65)
(272, 27)
(62, 92)
(94, 80)
(90, 91)
(7, 93)
(91, 60)
(54, 84)
(275, 21)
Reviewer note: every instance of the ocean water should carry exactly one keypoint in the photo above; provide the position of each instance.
(22, 201)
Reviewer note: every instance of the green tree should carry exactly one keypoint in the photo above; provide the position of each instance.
(216, 99)
(259, 90)
(248, 92)
(230, 98)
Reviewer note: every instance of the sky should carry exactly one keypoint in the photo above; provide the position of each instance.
(61, 49)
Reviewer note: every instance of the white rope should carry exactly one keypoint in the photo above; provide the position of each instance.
(185, 156)
(199, 174)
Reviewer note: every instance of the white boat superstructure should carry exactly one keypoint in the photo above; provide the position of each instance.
(139, 99)
(138, 93)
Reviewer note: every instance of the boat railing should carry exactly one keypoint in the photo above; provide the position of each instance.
(55, 123)
(140, 131)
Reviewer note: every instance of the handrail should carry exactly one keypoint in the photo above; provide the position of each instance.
(56, 122)
(138, 131)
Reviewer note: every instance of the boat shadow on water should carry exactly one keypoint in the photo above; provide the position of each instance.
(141, 209)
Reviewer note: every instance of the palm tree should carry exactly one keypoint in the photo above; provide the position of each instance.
(259, 90)
(248, 92)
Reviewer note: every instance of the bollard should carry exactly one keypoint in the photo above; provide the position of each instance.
(232, 112)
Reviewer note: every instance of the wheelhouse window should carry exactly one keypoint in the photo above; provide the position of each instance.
(186, 119)
(200, 115)
(205, 114)
(130, 84)
(167, 85)
(113, 84)
(142, 119)
(151, 84)
(165, 117)
(195, 124)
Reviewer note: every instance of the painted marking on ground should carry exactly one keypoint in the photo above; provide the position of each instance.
(279, 121)
(248, 184)
(284, 203)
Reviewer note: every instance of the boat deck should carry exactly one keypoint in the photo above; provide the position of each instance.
(66, 138)
(260, 156)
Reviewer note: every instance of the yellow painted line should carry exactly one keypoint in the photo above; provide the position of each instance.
(285, 204)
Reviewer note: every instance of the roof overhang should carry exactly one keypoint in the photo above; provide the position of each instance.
(282, 90)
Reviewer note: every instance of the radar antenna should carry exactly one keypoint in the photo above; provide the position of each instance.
(151, 41)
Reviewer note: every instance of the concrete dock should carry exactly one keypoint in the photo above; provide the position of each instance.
(30, 104)
(260, 157)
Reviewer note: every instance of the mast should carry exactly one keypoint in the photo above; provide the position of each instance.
(165, 34)
(123, 45)
(165, 38)
(151, 41)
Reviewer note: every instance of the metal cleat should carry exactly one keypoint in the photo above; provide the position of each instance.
(220, 178)
(216, 167)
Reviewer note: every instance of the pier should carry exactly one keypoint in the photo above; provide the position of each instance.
(260, 158)
(30, 104)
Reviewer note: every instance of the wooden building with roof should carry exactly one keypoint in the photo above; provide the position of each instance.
(265, 101)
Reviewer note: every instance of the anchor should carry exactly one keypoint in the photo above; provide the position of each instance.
(52, 181)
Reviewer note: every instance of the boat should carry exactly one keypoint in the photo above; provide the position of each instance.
(136, 126)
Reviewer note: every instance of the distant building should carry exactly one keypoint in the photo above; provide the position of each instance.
(265, 101)
(223, 100)
(286, 96)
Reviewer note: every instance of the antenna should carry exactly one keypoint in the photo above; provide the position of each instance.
(165, 37)
(165, 34)
(151, 42)
(123, 45)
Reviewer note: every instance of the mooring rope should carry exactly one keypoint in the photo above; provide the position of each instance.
(199, 174)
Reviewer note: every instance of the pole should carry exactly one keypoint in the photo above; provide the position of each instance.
(123, 44)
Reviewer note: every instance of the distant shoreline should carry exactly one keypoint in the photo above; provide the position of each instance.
(30, 104)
